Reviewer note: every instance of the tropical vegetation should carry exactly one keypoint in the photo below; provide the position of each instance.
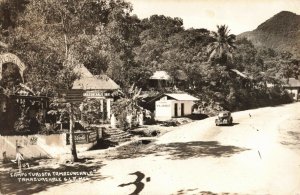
(51, 37)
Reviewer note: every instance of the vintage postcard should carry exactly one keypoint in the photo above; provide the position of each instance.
(149, 97)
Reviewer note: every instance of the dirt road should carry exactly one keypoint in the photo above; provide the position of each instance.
(259, 154)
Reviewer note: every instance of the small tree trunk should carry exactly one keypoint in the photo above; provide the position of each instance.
(72, 137)
(66, 46)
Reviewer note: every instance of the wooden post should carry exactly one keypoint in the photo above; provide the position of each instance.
(141, 118)
(108, 108)
(113, 121)
(101, 110)
(72, 137)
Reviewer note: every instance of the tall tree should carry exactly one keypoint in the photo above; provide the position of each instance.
(10, 10)
(123, 32)
(54, 36)
(51, 34)
(222, 46)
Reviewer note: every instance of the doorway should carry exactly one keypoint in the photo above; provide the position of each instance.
(176, 110)
(182, 109)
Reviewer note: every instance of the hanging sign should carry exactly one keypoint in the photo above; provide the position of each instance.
(12, 58)
(74, 95)
(96, 93)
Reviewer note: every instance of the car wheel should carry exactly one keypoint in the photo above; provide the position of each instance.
(230, 122)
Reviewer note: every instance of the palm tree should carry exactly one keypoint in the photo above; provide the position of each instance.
(222, 46)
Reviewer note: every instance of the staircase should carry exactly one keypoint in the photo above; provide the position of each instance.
(116, 135)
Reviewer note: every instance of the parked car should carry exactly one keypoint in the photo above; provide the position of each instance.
(224, 118)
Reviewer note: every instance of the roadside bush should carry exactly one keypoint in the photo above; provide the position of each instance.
(91, 111)
(122, 120)
(22, 125)
(279, 96)
(246, 98)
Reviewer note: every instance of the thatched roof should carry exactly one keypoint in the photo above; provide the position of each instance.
(97, 82)
(181, 75)
(160, 75)
(82, 71)
(93, 82)
(292, 82)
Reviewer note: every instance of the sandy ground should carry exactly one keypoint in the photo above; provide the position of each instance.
(259, 154)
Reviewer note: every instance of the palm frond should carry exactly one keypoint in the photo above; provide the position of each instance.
(223, 43)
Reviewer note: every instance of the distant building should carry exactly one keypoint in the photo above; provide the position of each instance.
(36, 106)
(96, 82)
(96, 87)
(23, 99)
(172, 105)
(160, 79)
(3, 109)
(293, 87)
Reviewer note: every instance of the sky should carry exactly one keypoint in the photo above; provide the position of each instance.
(239, 15)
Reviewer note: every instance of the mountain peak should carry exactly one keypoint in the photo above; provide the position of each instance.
(284, 21)
(281, 32)
(285, 13)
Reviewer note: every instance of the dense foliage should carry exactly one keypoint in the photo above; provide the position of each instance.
(51, 37)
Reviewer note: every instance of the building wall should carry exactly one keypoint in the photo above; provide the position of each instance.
(187, 107)
(295, 93)
(8, 115)
(36, 146)
(165, 109)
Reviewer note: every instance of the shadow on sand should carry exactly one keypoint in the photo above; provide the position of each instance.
(200, 192)
(233, 124)
(177, 150)
(292, 139)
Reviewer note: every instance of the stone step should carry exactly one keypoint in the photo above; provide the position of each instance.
(119, 140)
(117, 135)
(114, 130)
(120, 136)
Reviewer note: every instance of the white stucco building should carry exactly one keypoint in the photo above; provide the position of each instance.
(172, 105)
(293, 87)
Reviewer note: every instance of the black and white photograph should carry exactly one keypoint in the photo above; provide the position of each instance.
(150, 97)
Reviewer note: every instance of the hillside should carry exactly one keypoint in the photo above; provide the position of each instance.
(281, 32)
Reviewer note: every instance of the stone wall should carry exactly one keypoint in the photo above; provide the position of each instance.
(38, 146)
